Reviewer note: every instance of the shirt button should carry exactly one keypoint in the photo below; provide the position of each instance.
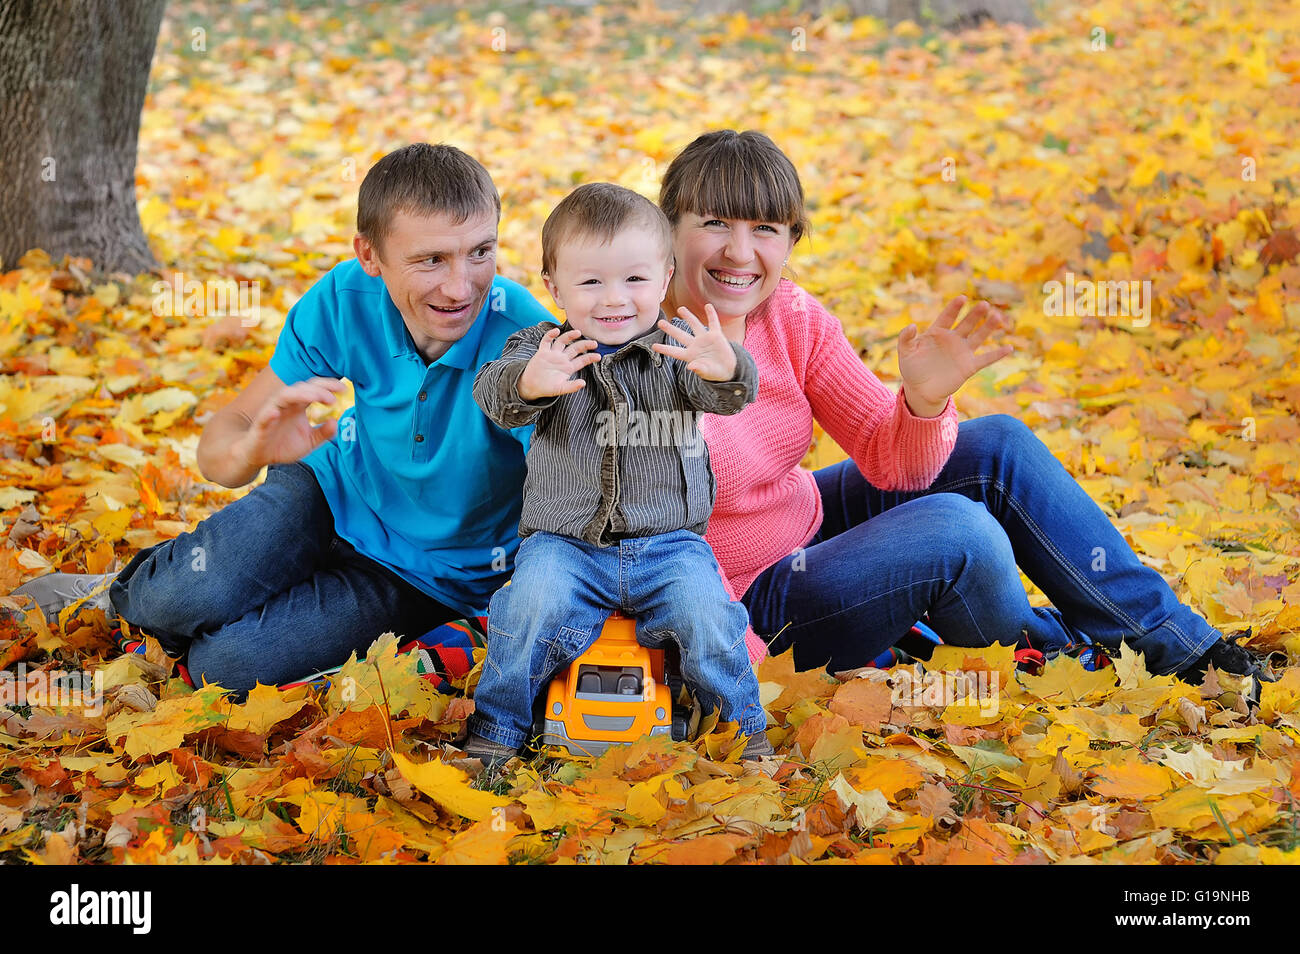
(737, 392)
(424, 395)
(419, 438)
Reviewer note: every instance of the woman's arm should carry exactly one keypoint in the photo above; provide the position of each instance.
(895, 448)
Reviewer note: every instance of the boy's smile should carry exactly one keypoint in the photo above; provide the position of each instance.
(611, 291)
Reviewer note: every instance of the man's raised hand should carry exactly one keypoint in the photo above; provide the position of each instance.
(280, 432)
(549, 373)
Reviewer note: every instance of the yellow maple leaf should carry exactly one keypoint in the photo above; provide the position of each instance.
(449, 787)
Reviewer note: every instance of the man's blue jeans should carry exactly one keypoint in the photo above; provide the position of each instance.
(883, 558)
(556, 604)
(264, 590)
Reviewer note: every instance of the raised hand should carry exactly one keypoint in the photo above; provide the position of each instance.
(705, 350)
(549, 373)
(934, 363)
(280, 432)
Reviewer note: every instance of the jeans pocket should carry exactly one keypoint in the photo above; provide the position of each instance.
(499, 649)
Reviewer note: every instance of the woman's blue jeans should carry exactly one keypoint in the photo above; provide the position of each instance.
(883, 558)
(265, 591)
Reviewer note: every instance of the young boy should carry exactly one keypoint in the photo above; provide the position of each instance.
(619, 488)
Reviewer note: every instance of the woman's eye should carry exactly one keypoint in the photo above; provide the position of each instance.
(768, 227)
(715, 222)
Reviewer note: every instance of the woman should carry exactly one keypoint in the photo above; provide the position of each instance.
(928, 516)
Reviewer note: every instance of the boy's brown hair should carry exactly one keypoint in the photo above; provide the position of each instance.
(735, 175)
(600, 210)
(423, 179)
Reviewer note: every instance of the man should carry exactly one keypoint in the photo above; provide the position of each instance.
(400, 516)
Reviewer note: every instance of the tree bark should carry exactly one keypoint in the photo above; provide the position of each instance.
(73, 75)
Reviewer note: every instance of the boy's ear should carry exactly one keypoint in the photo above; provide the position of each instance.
(550, 287)
(367, 255)
(668, 280)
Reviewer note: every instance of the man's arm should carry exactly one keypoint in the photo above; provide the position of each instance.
(265, 424)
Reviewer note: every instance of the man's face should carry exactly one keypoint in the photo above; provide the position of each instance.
(611, 291)
(437, 272)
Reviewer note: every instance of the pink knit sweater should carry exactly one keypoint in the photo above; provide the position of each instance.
(767, 505)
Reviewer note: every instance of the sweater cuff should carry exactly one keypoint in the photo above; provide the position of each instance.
(925, 442)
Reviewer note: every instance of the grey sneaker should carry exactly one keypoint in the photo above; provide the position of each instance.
(758, 747)
(492, 754)
(55, 591)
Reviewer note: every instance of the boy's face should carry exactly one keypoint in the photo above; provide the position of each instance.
(437, 272)
(610, 291)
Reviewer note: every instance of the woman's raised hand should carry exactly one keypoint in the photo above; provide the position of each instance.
(934, 363)
(549, 373)
(705, 350)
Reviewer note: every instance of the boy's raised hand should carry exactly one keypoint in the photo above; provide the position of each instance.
(549, 373)
(706, 350)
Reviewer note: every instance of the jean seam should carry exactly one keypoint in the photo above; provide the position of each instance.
(1074, 573)
(1049, 545)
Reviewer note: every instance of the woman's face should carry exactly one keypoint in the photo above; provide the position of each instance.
(733, 264)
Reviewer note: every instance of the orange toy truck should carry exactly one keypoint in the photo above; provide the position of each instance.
(614, 693)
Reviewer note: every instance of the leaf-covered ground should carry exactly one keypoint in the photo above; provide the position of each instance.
(987, 163)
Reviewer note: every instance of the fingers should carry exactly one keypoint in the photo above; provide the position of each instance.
(984, 359)
(950, 312)
(299, 395)
(688, 316)
(668, 351)
(674, 332)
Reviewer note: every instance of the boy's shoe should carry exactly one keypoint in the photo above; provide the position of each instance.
(491, 754)
(54, 592)
(1227, 655)
(757, 747)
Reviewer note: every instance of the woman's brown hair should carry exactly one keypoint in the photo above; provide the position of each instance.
(735, 175)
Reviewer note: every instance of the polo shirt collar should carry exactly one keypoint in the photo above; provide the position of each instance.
(459, 355)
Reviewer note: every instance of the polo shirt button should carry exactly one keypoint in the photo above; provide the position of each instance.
(419, 438)
(424, 395)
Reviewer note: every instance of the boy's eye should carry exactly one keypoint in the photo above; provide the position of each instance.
(635, 278)
(590, 281)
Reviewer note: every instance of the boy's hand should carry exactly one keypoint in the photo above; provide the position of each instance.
(708, 352)
(550, 372)
(934, 363)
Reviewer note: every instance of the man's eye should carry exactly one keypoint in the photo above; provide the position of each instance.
(483, 252)
(434, 260)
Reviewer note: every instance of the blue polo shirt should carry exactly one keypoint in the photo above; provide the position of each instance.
(417, 477)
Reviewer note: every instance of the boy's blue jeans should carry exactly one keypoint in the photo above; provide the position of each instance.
(883, 558)
(265, 591)
(556, 604)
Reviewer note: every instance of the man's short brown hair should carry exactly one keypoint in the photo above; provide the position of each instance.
(600, 210)
(735, 175)
(423, 179)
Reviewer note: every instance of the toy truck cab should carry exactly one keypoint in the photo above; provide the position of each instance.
(614, 693)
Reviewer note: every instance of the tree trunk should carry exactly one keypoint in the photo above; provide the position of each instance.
(73, 75)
